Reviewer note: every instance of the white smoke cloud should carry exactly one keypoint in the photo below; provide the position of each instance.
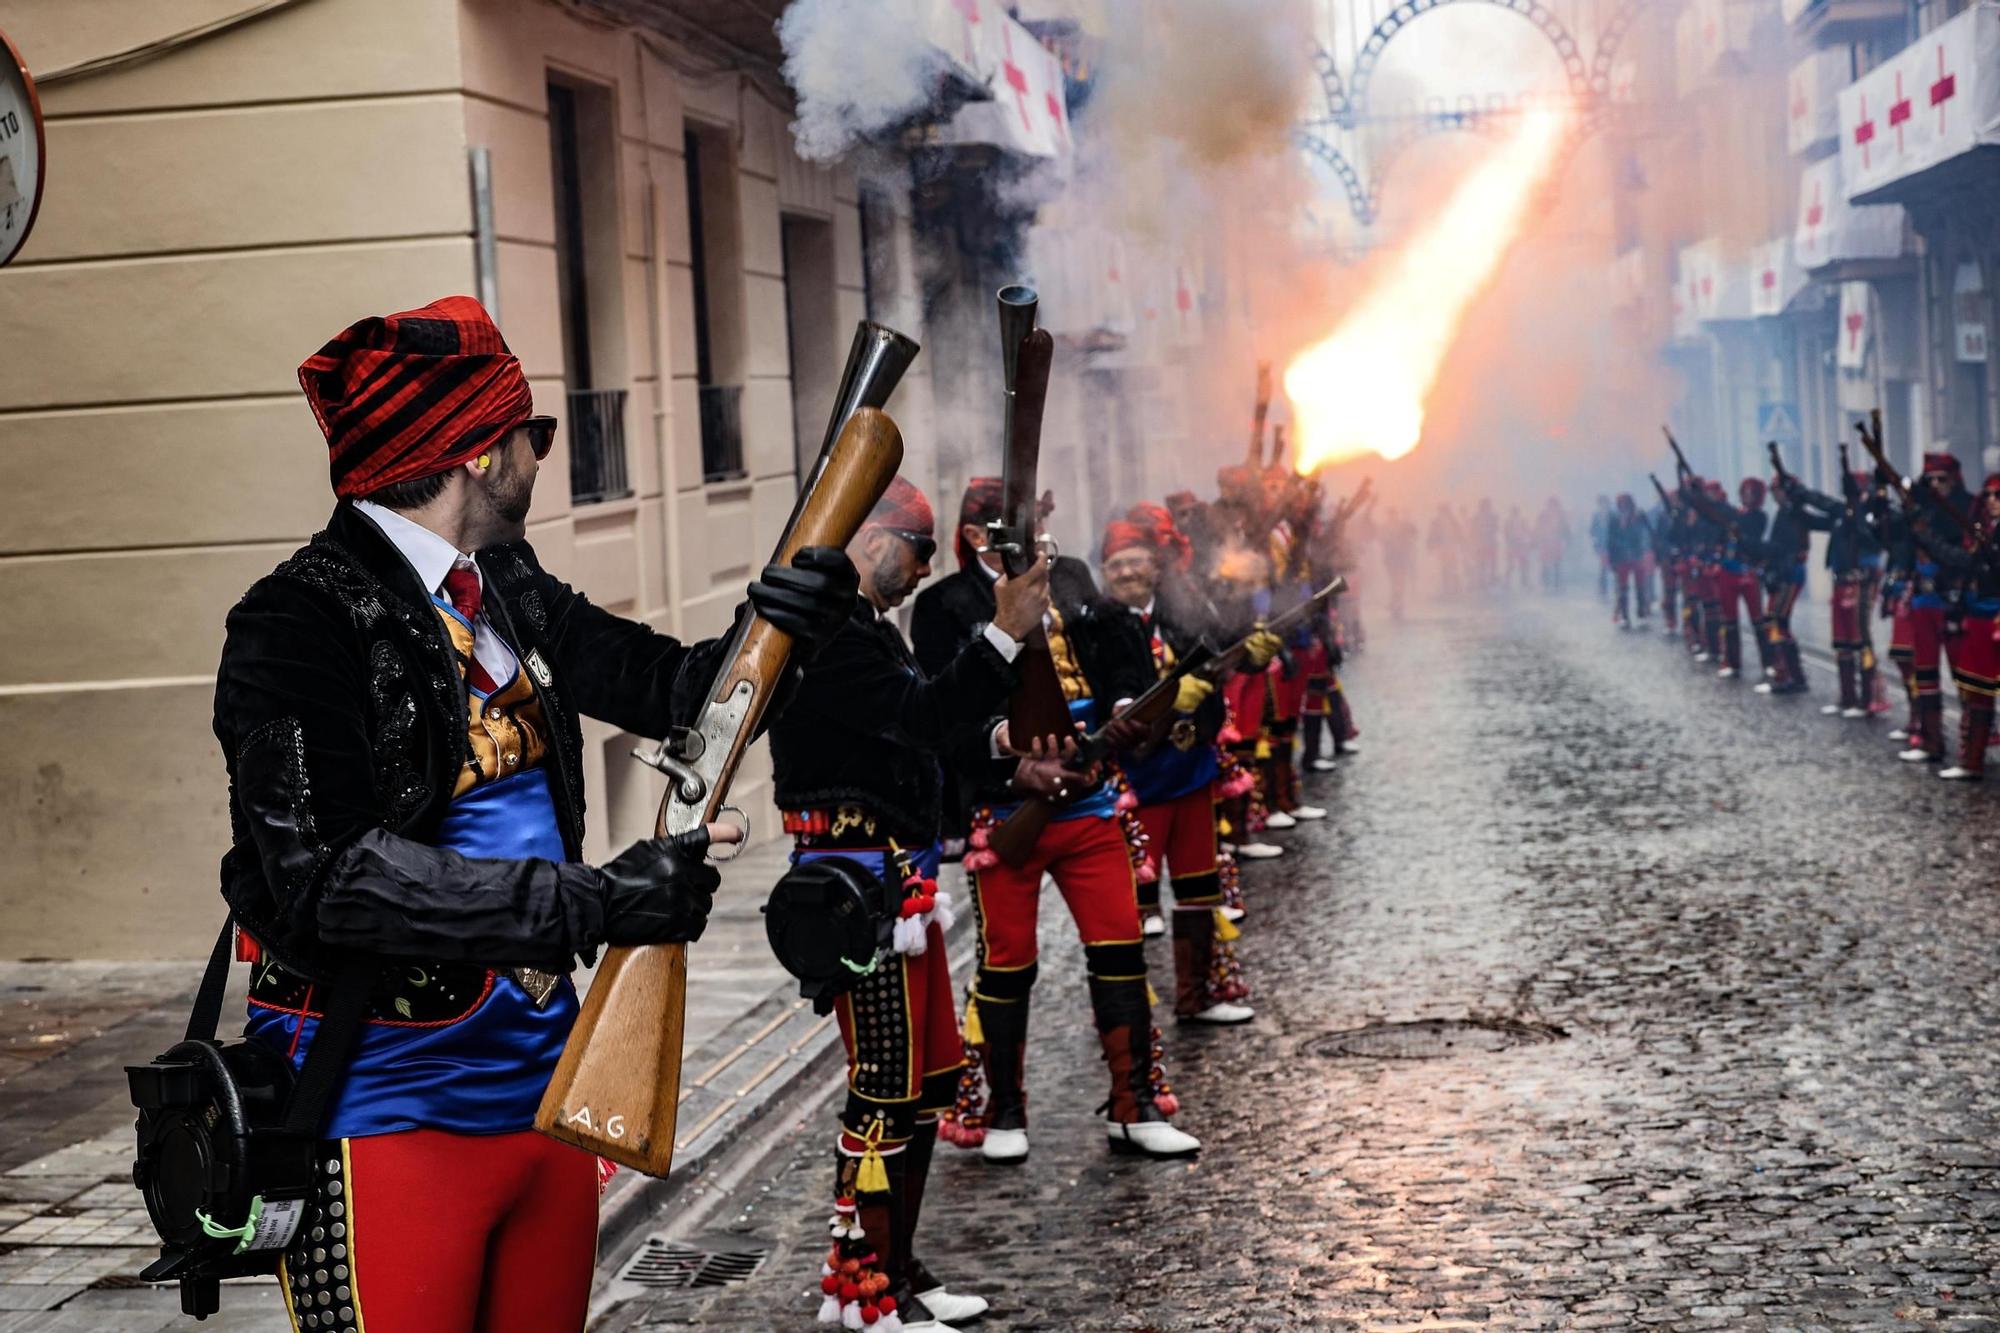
(858, 67)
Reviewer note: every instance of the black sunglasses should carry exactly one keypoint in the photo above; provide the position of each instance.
(922, 544)
(541, 435)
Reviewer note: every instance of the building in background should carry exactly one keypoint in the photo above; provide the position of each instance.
(231, 183)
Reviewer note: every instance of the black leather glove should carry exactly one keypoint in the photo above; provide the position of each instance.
(809, 599)
(658, 891)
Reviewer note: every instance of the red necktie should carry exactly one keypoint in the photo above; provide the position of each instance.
(461, 585)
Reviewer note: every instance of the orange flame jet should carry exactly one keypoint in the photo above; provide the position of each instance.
(1362, 389)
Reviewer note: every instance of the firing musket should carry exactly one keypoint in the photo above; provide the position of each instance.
(1281, 624)
(1680, 459)
(1871, 440)
(1673, 509)
(616, 1088)
(1850, 489)
(1015, 838)
(1260, 414)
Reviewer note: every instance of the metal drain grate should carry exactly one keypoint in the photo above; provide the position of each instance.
(1431, 1039)
(669, 1265)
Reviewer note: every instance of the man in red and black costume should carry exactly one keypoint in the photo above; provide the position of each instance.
(1940, 528)
(1173, 775)
(398, 705)
(856, 768)
(1100, 658)
(1854, 558)
(1975, 649)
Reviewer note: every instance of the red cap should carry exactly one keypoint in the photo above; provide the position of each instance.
(904, 508)
(407, 396)
(1751, 491)
(1122, 535)
(981, 505)
(1945, 463)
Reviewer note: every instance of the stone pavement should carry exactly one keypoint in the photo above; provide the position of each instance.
(1725, 1004)
(72, 1230)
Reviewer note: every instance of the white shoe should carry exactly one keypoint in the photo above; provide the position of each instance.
(1854, 712)
(1761, 687)
(1231, 913)
(1259, 851)
(1223, 1015)
(1278, 819)
(1829, 710)
(1916, 754)
(1323, 765)
(1152, 1138)
(1153, 927)
(1725, 673)
(1900, 734)
(1957, 774)
(1309, 812)
(944, 1305)
(1701, 657)
(1348, 747)
(1005, 1146)
(927, 1326)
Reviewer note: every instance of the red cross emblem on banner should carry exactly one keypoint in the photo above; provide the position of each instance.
(1899, 111)
(1056, 114)
(970, 10)
(1770, 279)
(1815, 215)
(1855, 322)
(1183, 298)
(1944, 89)
(1864, 133)
(1017, 78)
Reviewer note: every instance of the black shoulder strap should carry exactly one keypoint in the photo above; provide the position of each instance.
(340, 1025)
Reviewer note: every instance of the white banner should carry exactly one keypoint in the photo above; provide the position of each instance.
(1968, 302)
(1812, 97)
(1714, 285)
(1775, 277)
(1830, 229)
(1935, 99)
(1857, 325)
(1029, 112)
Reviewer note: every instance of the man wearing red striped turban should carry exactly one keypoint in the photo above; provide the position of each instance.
(398, 705)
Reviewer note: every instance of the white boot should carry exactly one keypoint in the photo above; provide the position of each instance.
(1223, 1015)
(1259, 851)
(1231, 913)
(1830, 710)
(1309, 812)
(1761, 687)
(1005, 1146)
(944, 1305)
(1323, 765)
(1153, 926)
(1151, 1138)
(1916, 754)
(1278, 819)
(1958, 774)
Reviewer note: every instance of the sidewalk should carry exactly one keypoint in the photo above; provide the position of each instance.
(73, 1231)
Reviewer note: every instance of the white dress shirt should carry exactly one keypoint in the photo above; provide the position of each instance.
(433, 557)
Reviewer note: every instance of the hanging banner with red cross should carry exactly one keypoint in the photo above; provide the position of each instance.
(1775, 278)
(1028, 112)
(1857, 325)
(1812, 99)
(1935, 100)
(1716, 284)
(1830, 230)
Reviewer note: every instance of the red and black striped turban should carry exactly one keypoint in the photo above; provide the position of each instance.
(1123, 535)
(1158, 522)
(410, 395)
(980, 506)
(904, 508)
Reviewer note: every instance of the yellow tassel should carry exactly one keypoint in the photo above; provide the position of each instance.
(1152, 996)
(1223, 827)
(873, 1177)
(1225, 929)
(975, 1035)
(1263, 749)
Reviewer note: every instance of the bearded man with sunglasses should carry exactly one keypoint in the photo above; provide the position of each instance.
(398, 705)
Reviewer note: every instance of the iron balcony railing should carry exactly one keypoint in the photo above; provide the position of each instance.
(721, 432)
(597, 466)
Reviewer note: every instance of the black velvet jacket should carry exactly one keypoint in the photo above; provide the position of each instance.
(341, 711)
(867, 726)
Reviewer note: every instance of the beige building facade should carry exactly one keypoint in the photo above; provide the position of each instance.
(679, 285)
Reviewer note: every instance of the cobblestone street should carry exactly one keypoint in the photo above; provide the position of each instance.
(1734, 967)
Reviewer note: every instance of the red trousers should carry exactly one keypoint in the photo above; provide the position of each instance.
(429, 1232)
(1092, 868)
(1182, 832)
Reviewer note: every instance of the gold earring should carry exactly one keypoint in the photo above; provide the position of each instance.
(485, 461)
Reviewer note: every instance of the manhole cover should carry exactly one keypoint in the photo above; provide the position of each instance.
(669, 1265)
(1431, 1039)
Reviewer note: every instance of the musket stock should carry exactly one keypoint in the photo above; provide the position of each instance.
(616, 1089)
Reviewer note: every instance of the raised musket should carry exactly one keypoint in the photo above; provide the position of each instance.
(616, 1089)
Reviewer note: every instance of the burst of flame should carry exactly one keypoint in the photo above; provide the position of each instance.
(1363, 388)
